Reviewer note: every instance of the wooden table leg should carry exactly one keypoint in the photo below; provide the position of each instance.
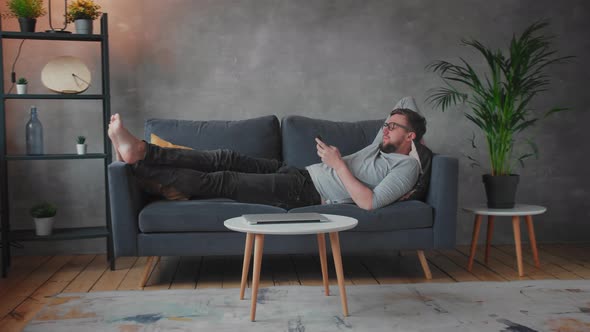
(489, 233)
(529, 221)
(246, 265)
(323, 261)
(474, 241)
(335, 243)
(517, 243)
(258, 245)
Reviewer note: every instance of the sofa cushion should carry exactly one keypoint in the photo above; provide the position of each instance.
(420, 189)
(205, 215)
(406, 102)
(258, 137)
(397, 216)
(299, 132)
(159, 141)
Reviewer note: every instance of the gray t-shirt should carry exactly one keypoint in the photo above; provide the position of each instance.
(388, 175)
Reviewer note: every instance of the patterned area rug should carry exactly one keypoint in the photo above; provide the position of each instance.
(522, 306)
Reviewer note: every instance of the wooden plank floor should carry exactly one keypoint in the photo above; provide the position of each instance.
(33, 279)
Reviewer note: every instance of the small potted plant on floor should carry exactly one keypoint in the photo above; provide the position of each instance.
(21, 86)
(26, 11)
(82, 13)
(81, 145)
(43, 215)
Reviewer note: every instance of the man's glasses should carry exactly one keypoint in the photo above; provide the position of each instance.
(392, 125)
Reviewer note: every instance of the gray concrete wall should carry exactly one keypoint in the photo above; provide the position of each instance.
(341, 60)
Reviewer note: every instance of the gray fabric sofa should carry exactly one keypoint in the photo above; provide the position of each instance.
(143, 227)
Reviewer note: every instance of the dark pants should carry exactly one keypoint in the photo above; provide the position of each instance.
(184, 174)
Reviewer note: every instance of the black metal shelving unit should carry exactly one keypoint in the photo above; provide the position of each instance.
(7, 235)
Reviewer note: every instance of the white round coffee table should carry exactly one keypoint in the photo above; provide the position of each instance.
(334, 225)
(528, 211)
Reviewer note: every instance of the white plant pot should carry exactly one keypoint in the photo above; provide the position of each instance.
(43, 226)
(21, 89)
(81, 148)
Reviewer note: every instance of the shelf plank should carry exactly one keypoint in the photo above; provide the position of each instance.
(57, 156)
(50, 36)
(60, 234)
(54, 96)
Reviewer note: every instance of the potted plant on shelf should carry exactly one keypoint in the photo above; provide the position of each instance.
(21, 86)
(43, 214)
(82, 13)
(499, 101)
(81, 145)
(26, 11)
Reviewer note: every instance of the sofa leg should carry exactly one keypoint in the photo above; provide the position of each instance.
(148, 268)
(424, 264)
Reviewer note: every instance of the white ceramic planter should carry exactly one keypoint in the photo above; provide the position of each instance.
(21, 89)
(43, 226)
(81, 148)
(83, 26)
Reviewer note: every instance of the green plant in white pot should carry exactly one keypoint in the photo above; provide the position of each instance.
(43, 215)
(21, 86)
(81, 145)
(499, 101)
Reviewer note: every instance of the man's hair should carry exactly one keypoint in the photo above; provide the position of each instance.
(416, 121)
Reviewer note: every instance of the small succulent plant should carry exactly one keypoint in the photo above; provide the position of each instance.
(43, 210)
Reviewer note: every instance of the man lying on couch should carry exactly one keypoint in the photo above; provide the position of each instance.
(373, 177)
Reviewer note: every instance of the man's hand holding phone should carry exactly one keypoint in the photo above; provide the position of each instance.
(330, 155)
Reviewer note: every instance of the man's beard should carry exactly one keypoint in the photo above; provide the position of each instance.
(389, 148)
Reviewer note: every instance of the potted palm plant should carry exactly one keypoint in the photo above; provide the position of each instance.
(499, 101)
(82, 13)
(43, 215)
(26, 11)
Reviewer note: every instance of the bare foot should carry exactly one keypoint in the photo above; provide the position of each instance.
(113, 139)
(129, 148)
(119, 158)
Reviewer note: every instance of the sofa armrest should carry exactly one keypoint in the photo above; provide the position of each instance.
(126, 203)
(442, 196)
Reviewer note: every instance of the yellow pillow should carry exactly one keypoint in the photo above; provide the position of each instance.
(156, 140)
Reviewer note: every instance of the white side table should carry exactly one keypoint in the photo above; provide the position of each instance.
(257, 232)
(528, 211)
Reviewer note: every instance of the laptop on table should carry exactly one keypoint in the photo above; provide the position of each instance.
(280, 218)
